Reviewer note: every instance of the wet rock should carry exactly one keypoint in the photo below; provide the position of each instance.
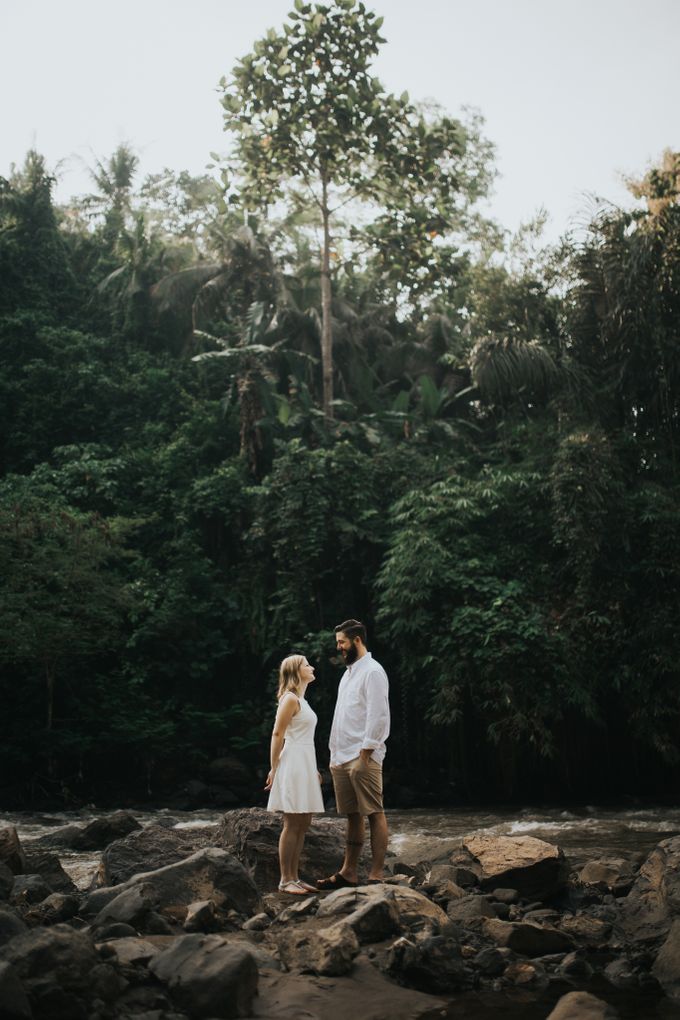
(666, 967)
(10, 925)
(526, 938)
(620, 974)
(66, 837)
(6, 881)
(48, 866)
(14, 1004)
(582, 1006)
(415, 909)
(99, 833)
(207, 977)
(490, 962)
(645, 914)
(470, 908)
(376, 920)
(609, 874)
(200, 916)
(253, 834)
(149, 849)
(429, 963)
(586, 931)
(29, 889)
(328, 951)
(538, 870)
(574, 965)
(11, 851)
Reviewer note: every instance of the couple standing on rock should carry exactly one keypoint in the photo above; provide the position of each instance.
(361, 725)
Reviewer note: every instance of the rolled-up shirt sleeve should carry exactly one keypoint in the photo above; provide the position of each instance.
(377, 710)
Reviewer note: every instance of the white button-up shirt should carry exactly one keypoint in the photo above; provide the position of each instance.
(362, 712)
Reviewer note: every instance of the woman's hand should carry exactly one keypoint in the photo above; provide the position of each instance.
(270, 779)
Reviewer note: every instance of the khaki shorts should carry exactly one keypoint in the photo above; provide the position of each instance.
(358, 787)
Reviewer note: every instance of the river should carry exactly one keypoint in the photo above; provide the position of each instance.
(584, 833)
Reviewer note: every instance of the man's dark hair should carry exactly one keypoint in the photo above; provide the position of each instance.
(352, 629)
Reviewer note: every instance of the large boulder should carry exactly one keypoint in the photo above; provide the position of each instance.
(48, 866)
(11, 851)
(666, 968)
(253, 835)
(536, 869)
(209, 874)
(646, 913)
(415, 910)
(526, 938)
(207, 977)
(99, 833)
(582, 1006)
(14, 1004)
(149, 849)
(328, 951)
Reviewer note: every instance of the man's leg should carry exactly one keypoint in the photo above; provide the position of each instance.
(355, 841)
(379, 835)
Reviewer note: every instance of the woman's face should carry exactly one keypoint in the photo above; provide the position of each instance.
(307, 672)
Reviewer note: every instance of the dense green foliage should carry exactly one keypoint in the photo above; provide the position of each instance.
(497, 493)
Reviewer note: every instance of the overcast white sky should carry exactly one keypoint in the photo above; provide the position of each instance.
(575, 94)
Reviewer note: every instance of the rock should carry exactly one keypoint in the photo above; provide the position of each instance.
(375, 920)
(253, 834)
(538, 870)
(117, 930)
(29, 889)
(415, 909)
(645, 914)
(609, 874)
(574, 965)
(490, 962)
(328, 951)
(66, 837)
(6, 881)
(296, 910)
(200, 916)
(620, 974)
(519, 972)
(10, 925)
(666, 967)
(586, 931)
(131, 906)
(209, 874)
(11, 851)
(258, 923)
(439, 883)
(128, 951)
(48, 866)
(149, 849)
(470, 908)
(55, 967)
(542, 916)
(430, 963)
(508, 896)
(527, 939)
(582, 1006)
(14, 1004)
(54, 909)
(102, 831)
(207, 977)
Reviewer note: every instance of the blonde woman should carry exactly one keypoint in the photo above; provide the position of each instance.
(293, 781)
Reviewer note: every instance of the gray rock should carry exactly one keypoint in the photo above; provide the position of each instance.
(429, 963)
(528, 939)
(609, 874)
(6, 881)
(666, 967)
(149, 849)
(66, 837)
(490, 962)
(207, 977)
(129, 951)
(132, 906)
(645, 914)
(102, 831)
(11, 851)
(470, 908)
(115, 931)
(582, 1006)
(375, 920)
(296, 910)
(14, 1004)
(200, 916)
(620, 974)
(10, 925)
(415, 909)
(55, 967)
(573, 965)
(587, 931)
(48, 866)
(328, 951)
(505, 896)
(257, 923)
(538, 870)
(55, 908)
(29, 889)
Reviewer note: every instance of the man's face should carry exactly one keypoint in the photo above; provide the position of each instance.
(346, 647)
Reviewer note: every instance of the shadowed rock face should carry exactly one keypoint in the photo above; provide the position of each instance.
(536, 869)
(582, 1006)
(149, 849)
(207, 977)
(11, 851)
(666, 968)
(645, 914)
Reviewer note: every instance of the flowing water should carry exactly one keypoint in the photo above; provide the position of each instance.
(584, 833)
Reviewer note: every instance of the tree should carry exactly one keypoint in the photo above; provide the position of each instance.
(311, 123)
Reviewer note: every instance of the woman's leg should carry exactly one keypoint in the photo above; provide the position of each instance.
(304, 821)
(288, 841)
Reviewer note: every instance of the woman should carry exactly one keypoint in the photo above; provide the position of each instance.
(293, 780)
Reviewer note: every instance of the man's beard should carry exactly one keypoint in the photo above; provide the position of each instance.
(350, 654)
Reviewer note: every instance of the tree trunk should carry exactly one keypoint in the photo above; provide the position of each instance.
(326, 328)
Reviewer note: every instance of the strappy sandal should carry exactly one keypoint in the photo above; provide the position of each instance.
(307, 886)
(292, 888)
(336, 881)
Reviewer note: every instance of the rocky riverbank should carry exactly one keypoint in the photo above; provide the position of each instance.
(187, 924)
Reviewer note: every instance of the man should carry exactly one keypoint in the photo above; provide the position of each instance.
(361, 725)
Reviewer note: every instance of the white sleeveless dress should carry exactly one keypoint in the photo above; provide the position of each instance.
(296, 788)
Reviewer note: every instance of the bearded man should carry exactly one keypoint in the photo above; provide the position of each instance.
(361, 725)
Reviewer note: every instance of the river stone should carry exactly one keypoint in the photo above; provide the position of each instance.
(6, 881)
(376, 920)
(613, 874)
(586, 931)
(253, 835)
(414, 907)
(328, 951)
(10, 925)
(48, 866)
(66, 837)
(666, 967)
(582, 1006)
(200, 916)
(14, 1004)
(149, 849)
(130, 950)
(429, 963)
(29, 889)
(645, 914)
(55, 966)
(207, 977)
(470, 908)
(209, 874)
(526, 938)
(11, 851)
(98, 833)
(54, 909)
(132, 906)
(538, 870)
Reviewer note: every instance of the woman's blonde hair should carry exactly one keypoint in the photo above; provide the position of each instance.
(290, 678)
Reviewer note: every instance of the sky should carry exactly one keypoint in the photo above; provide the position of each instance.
(575, 95)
